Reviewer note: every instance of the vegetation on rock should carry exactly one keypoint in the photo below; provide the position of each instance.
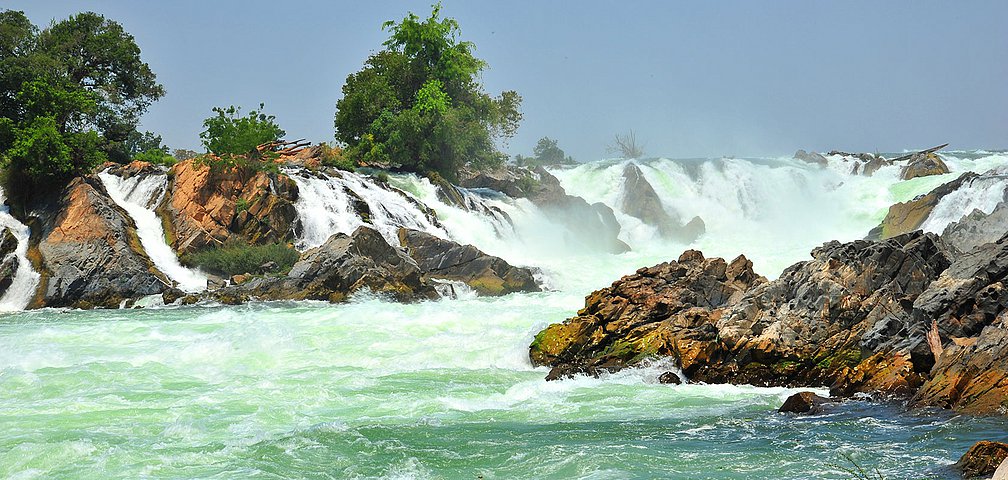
(236, 257)
(546, 153)
(418, 104)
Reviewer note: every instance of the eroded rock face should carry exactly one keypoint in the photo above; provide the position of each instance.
(446, 260)
(909, 216)
(8, 261)
(982, 459)
(827, 321)
(811, 157)
(342, 266)
(639, 200)
(207, 208)
(88, 251)
(976, 229)
(923, 165)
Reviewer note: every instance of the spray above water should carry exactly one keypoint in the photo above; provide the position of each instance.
(139, 195)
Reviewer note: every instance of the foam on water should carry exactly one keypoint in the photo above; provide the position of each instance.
(26, 279)
(139, 195)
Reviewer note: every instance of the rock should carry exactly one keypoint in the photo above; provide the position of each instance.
(908, 216)
(811, 157)
(1002, 472)
(923, 165)
(90, 255)
(982, 459)
(447, 260)
(207, 208)
(864, 163)
(8, 260)
(976, 229)
(804, 402)
(843, 318)
(268, 267)
(240, 278)
(658, 311)
(129, 170)
(340, 267)
(669, 378)
(639, 199)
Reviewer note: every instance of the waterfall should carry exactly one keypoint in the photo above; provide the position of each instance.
(982, 193)
(139, 195)
(26, 280)
(330, 204)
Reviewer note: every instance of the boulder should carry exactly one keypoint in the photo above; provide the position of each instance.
(8, 260)
(208, 207)
(976, 229)
(639, 199)
(804, 402)
(811, 157)
(443, 259)
(909, 216)
(89, 253)
(669, 378)
(982, 459)
(923, 165)
(342, 266)
(863, 163)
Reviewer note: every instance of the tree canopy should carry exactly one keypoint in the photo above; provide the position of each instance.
(229, 133)
(71, 96)
(546, 152)
(418, 104)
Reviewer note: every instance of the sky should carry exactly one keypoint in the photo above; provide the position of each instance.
(691, 79)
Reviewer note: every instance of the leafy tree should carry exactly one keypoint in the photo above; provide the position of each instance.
(418, 105)
(184, 154)
(546, 152)
(71, 96)
(229, 133)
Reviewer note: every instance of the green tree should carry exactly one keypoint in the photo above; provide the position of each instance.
(229, 133)
(418, 105)
(71, 96)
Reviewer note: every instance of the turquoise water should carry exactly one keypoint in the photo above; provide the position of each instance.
(444, 389)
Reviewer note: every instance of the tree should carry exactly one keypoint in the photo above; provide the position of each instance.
(546, 153)
(626, 146)
(418, 105)
(71, 96)
(229, 133)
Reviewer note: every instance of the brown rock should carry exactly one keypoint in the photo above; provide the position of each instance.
(982, 459)
(804, 402)
(923, 165)
(908, 216)
(669, 378)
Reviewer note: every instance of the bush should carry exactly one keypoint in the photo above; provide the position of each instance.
(228, 133)
(332, 156)
(235, 258)
(156, 156)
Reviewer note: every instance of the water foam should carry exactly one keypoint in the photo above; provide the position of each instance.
(25, 281)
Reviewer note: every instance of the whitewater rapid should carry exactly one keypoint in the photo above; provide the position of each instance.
(26, 279)
(139, 196)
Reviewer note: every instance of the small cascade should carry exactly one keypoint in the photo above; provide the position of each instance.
(475, 202)
(26, 280)
(330, 204)
(982, 193)
(139, 195)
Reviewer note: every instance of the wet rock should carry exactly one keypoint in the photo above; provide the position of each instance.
(923, 165)
(863, 163)
(669, 378)
(443, 259)
(976, 229)
(982, 459)
(804, 402)
(207, 208)
(8, 260)
(89, 252)
(811, 157)
(639, 200)
(909, 216)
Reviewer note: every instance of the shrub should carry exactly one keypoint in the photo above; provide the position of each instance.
(235, 257)
(156, 156)
(332, 156)
(229, 133)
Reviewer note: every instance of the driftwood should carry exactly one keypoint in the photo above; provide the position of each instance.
(922, 152)
(934, 340)
(283, 147)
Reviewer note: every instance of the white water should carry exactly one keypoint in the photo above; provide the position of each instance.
(983, 193)
(25, 280)
(325, 207)
(139, 195)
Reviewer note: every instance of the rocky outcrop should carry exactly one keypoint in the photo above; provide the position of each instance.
(811, 157)
(447, 260)
(909, 216)
(342, 266)
(862, 163)
(8, 259)
(923, 165)
(87, 251)
(207, 207)
(982, 459)
(639, 199)
(976, 229)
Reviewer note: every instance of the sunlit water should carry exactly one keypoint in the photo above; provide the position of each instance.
(445, 389)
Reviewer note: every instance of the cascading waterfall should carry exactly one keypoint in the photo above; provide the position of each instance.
(25, 280)
(326, 206)
(983, 193)
(139, 195)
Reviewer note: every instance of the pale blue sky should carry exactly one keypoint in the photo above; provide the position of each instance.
(691, 78)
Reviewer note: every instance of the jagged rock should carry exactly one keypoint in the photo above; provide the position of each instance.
(88, 250)
(976, 229)
(811, 157)
(658, 311)
(447, 260)
(639, 200)
(338, 268)
(515, 182)
(129, 170)
(206, 208)
(982, 459)
(909, 216)
(864, 163)
(923, 165)
(832, 320)
(804, 402)
(8, 261)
